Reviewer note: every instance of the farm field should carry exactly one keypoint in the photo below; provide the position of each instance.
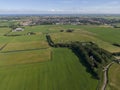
(103, 36)
(107, 34)
(24, 57)
(114, 77)
(25, 46)
(3, 31)
(63, 73)
(27, 62)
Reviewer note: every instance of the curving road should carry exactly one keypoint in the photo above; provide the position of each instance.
(106, 76)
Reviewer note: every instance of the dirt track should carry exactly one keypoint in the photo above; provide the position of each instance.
(106, 76)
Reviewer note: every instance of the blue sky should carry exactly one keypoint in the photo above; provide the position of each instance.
(59, 6)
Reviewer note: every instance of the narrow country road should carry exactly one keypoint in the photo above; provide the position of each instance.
(106, 76)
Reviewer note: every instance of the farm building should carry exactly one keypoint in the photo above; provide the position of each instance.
(18, 29)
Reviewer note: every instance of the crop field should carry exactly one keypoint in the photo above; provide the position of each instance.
(24, 56)
(63, 73)
(43, 29)
(25, 46)
(103, 36)
(4, 31)
(107, 34)
(27, 62)
(114, 77)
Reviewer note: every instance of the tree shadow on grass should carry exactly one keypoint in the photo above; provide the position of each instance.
(85, 63)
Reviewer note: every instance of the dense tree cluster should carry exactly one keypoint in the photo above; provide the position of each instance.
(116, 53)
(69, 30)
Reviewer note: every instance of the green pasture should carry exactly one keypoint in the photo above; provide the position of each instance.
(28, 63)
(4, 31)
(8, 23)
(9, 58)
(104, 33)
(28, 38)
(83, 36)
(63, 72)
(114, 77)
(107, 34)
(25, 46)
(41, 29)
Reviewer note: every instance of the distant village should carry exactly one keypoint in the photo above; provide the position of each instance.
(61, 20)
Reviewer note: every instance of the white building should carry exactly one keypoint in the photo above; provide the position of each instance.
(18, 30)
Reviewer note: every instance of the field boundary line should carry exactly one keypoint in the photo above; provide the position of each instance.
(3, 46)
(23, 50)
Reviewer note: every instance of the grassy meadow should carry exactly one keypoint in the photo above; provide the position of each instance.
(27, 62)
(114, 77)
(63, 73)
(103, 36)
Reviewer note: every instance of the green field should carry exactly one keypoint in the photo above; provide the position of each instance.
(27, 62)
(4, 31)
(24, 57)
(114, 77)
(103, 36)
(25, 46)
(63, 73)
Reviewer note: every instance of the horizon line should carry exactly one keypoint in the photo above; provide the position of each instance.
(60, 13)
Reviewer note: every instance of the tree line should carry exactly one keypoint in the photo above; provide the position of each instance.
(89, 54)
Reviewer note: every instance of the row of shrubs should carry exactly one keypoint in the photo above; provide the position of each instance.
(68, 30)
(89, 54)
(29, 33)
(116, 54)
(116, 44)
